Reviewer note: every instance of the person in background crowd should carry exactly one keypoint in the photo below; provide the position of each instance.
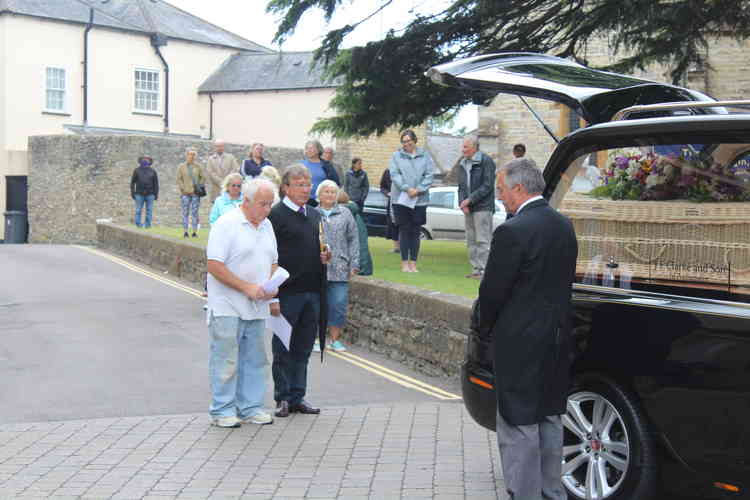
(519, 150)
(342, 237)
(411, 177)
(328, 156)
(241, 255)
(252, 165)
(297, 228)
(319, 168)
(231, 197)
(270, 173)
(189, 175)
(365, 259)
(357, 184)
(144, 188)
(220, 164)
(391, 229)
(524, 300)
(476, 196)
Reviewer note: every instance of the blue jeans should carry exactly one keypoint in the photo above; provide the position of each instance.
(139, 199)
(236, 366)
(338, 303)
(190, 204)
(302, 311)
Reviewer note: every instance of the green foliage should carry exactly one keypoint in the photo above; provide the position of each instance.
(384, 83)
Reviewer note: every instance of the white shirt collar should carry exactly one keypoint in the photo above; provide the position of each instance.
(289, 203)
(537, 197)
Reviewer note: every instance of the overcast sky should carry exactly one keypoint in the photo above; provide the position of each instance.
(248, 19)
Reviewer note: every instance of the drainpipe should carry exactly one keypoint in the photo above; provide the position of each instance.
(211, 117)
(86, 68)
(157, 41)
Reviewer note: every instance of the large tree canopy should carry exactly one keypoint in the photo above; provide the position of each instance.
(383, 82)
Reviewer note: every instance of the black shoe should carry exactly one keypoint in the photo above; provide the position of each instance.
(186, 235)
(282, 409)
(195, 235)
(305, 408)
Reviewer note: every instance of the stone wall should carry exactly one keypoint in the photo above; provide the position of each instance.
(423, 329)
(75, 180)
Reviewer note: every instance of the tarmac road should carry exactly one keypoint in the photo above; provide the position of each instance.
(85, 337)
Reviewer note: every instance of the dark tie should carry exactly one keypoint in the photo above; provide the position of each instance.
(301, 210)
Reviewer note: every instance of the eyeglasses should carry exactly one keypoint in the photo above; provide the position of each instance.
(406, 141)
(236, 185)
(300, 185)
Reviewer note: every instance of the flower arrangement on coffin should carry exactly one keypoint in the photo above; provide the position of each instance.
(633, 175)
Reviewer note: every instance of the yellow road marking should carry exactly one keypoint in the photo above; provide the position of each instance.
(150, 274)
(414, 383)
(382, 371)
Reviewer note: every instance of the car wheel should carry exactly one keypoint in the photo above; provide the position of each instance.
(424, 234)
(608, 450)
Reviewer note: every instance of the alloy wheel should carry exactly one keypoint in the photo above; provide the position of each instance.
(596, 447)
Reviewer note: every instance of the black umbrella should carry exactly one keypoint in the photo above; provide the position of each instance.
(323, 316)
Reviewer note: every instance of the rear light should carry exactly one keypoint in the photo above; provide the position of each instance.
(727, 487)
(480, 383)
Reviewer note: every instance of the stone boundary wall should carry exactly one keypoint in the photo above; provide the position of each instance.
(76, 179)
(423, 329)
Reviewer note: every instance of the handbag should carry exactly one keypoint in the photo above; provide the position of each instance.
(199, 189)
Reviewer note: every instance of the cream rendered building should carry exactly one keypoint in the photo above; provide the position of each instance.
(129, 47)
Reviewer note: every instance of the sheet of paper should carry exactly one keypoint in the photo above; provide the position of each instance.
(406, 200)
(281, 328)
(276, 280)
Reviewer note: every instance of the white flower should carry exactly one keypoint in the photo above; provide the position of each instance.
(654, 180)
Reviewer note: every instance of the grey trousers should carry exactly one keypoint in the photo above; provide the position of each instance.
(531, 457)
(478, 236)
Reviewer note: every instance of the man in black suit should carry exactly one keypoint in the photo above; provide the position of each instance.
(524, 300)
(296, 225)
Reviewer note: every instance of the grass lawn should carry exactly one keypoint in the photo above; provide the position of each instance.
(442, 264)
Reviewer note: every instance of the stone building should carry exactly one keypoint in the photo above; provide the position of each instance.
(506, 121)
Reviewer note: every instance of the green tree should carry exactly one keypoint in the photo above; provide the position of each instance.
(383, 83)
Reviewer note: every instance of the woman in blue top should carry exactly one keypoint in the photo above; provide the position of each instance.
(319, 168)
(230, 197)
(411, 178)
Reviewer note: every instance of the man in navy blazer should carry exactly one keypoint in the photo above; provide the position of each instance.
(524, 299)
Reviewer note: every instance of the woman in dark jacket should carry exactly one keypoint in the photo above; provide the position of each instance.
(357, 184)
(144, 188)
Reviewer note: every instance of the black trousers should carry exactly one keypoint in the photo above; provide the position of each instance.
(409, 222)
(289, 368)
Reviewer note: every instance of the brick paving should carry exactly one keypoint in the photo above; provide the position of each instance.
(425, 450)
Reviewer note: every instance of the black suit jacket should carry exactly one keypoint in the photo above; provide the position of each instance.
(524, 299)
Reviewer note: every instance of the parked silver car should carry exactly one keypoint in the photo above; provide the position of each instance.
(446, 220)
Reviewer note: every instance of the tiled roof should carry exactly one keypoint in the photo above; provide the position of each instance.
(278, 71)
(146, 16)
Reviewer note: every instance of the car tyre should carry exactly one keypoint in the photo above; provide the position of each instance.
(424, 234)
(608, 449)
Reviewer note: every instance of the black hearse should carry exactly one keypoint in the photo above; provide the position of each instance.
(660, 198)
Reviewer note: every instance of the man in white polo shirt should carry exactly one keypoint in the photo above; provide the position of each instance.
(241, 255)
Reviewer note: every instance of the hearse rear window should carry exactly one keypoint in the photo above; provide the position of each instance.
(666, 217)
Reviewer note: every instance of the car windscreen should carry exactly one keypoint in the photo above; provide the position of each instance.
(376, 199)
(671, 217)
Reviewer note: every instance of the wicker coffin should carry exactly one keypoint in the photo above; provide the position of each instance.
(674, 240)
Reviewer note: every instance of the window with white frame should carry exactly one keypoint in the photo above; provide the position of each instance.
(146, 90)
(55, 90)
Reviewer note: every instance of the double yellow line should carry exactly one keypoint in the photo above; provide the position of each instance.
(382, 371)
(150, 274)
(393, 376)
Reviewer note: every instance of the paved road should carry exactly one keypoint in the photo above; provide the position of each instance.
(85, 337)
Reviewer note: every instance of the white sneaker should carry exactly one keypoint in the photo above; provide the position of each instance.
(260, 418)
(226, 422)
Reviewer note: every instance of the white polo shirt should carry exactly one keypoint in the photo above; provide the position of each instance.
(248, 252)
